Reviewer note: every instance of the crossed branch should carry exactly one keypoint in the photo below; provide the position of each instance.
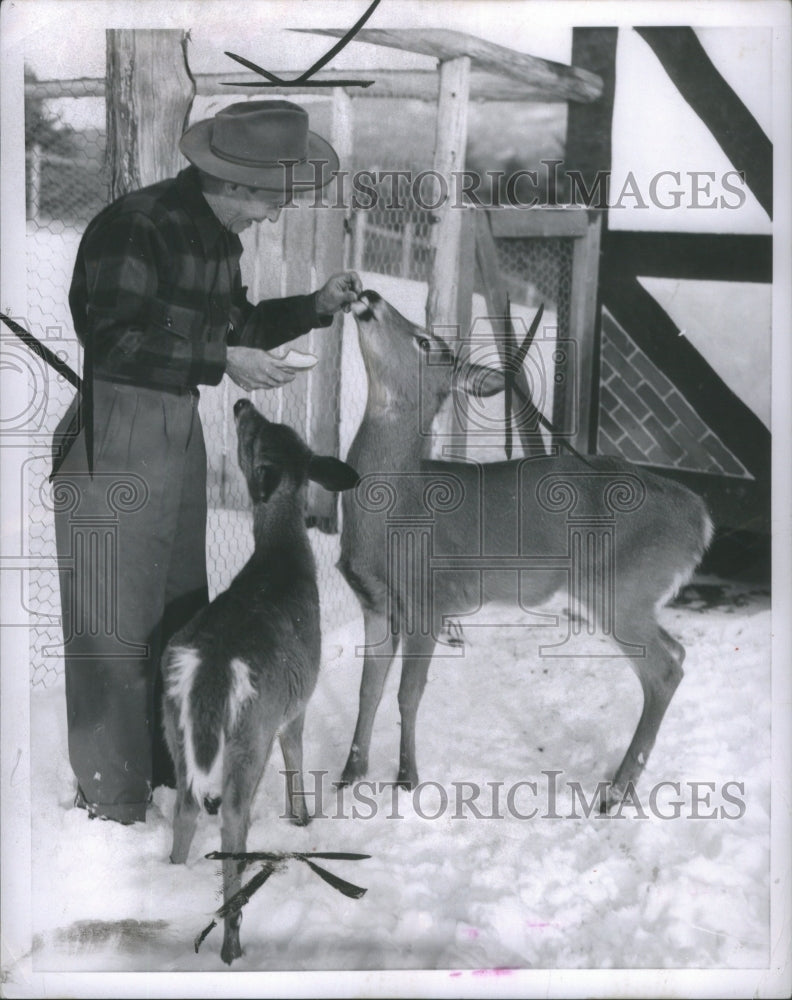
(304, 80)
(271, 862)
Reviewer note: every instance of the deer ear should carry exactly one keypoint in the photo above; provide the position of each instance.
(264, 482)
(332, 473)
(478, 380)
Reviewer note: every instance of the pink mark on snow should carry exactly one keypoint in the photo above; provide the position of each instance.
(492, 972)
(472, 932)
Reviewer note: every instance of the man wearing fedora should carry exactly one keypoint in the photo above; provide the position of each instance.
(159, 307)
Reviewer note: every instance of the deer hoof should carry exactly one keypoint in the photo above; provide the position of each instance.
(355, 769)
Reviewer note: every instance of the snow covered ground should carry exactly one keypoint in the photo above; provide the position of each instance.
(456, 892)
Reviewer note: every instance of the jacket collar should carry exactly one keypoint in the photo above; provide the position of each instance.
(209, 227)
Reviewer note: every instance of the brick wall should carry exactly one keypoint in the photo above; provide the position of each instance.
(644, 418)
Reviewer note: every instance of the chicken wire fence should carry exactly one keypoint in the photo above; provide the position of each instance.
(67, 183)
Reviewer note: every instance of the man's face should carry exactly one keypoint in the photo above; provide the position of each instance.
(238, 206)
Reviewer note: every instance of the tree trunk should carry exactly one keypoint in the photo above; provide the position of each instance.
(149, 95)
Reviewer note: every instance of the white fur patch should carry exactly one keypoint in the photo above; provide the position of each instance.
(184, 662)
(241, 691)
(684, 576)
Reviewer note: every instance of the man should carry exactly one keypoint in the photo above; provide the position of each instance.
(158, 304)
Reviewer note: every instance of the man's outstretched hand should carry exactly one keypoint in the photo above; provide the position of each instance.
(337, 293)
(252, 368)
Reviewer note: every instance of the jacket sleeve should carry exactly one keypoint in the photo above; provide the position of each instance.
(131, 330)
(273, 321)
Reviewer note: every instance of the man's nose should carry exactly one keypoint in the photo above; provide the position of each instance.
(273, 213)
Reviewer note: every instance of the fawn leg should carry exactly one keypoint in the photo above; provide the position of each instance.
(240, 778)
(185, 816)
(659, 672)
(291, 745)
(378, 658)
(416, 658)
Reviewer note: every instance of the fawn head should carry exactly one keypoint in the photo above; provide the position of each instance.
(406, 362)
(274, 458)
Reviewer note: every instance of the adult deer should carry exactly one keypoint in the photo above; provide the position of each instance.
(424, 542)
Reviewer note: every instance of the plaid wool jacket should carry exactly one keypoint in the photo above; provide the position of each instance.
(157, 295)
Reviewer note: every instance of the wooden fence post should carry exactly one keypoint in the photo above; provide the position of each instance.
(443, 299)
(449, 157)
(149, 96)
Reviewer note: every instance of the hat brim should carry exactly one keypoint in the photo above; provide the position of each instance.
(321, 163)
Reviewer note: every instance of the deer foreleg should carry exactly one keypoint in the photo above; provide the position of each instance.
(378, 657)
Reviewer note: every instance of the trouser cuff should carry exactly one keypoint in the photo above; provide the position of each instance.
(120, 812)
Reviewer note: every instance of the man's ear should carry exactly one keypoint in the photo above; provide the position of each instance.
(332, 473)
(264, 482)
(478, 380)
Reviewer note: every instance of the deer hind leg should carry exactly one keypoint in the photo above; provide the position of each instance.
(292, 747)
(241, 775)
(660, 671)
(676, 649)
(417, 656)
(381, 646)
(185, 816)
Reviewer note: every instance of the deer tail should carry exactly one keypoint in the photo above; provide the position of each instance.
(205, 716)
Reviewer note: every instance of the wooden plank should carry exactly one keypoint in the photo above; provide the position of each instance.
(324, 381)
(415, 84)
(535, 222)
(558, 81)
(495, 296)
(300, 223)
(262, 272)
(732, 125)
(150, 95)
(692, 256)
(442, 300)
(581, 404)
(449, 156)
(464, 313)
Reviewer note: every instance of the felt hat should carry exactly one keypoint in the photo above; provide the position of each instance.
(262, 144)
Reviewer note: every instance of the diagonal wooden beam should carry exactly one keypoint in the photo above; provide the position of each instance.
(558, 81)
(732, 125)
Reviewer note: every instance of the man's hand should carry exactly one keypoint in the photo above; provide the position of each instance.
(252, 368)
(337, 292)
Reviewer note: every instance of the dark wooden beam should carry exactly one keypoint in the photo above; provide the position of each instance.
(653, 330)
(691, 256)
(732, 125)
(588, 150)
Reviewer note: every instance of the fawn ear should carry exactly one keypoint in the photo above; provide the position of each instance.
(478, 380)
(264, 482)
(332, 473)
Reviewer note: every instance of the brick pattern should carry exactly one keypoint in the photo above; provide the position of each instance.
(644, 418)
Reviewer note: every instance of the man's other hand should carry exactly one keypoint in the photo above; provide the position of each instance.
(337, 292)
(252, 368)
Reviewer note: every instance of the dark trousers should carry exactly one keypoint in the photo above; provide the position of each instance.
(132, 563)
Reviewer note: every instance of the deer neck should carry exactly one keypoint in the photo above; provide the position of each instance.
(279, 529)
